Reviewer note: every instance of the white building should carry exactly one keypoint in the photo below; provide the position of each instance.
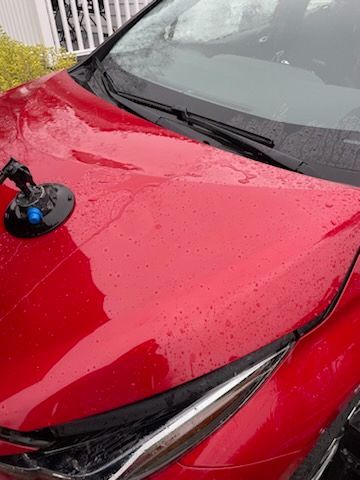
(77, 25)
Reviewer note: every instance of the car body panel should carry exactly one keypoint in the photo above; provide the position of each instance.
(178, 259)
(272, 469)
(271, 435)
(287, 414)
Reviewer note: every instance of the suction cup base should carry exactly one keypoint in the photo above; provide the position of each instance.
(54, 204)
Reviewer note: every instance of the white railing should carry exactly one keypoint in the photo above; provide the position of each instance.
(82, 25)
(77, 25)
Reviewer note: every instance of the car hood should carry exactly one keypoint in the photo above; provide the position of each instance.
(178, 259)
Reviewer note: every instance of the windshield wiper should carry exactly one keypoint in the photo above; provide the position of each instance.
(109, 85)
(258, 147)
(236, 141)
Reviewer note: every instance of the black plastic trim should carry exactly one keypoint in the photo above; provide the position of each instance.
(34, 439)
(310, 465)
(326, 313)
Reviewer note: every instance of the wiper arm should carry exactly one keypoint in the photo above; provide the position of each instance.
(259, 147)
(233, 133)
(259, 150)
(180, 112)
(131, 103)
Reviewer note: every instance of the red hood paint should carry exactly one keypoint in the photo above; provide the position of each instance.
(178, 259)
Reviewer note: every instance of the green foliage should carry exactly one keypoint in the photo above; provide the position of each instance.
(21, 63)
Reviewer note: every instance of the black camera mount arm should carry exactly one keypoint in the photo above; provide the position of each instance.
(20, 175)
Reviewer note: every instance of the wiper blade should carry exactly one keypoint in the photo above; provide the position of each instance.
(238, 142)
(232, 132)
(180, 112)
(133, 104)
(259, 147)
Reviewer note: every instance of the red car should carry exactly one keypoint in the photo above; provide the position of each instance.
(179, 261)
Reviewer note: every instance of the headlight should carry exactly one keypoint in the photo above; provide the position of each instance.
(138, 440)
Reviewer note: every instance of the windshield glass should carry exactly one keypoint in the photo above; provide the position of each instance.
(286, 69)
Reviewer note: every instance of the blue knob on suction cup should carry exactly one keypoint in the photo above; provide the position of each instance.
(34, 216)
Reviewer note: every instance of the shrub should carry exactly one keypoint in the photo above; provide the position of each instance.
(21, 63)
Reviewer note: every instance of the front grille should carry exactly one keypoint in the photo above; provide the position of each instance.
(336, 455)
(80, 455)
(345, 464)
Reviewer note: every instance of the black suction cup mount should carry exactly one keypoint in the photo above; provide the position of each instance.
(36, 209)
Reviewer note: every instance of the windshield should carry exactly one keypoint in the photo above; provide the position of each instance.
(285, 69)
